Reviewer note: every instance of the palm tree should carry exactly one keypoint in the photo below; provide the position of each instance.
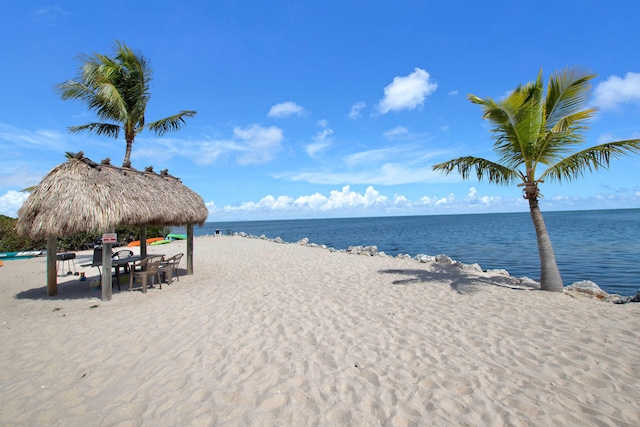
(535, 135)
(118, 90)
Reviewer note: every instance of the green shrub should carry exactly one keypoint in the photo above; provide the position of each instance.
(11, 242)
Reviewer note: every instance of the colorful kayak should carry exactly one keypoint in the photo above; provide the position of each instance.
(174, 236)
(160, 242)
(23, 254)
(149, 241)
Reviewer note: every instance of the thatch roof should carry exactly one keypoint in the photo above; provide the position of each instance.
(80, 195)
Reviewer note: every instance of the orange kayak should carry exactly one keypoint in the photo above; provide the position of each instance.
(149, 240)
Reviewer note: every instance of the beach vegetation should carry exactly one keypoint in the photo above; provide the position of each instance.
(537, 134)
(117, 89)
(10, 241)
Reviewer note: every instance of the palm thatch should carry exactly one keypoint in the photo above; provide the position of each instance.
(80, 195)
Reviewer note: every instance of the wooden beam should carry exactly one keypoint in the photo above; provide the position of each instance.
(52, 272)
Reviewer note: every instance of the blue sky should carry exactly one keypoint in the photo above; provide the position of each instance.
(320, 108)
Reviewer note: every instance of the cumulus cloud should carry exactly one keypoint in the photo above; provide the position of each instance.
(11, 201)
(407, 92)
(321, 140)
(286, 109)
(356, 108)
(400, 200)
(345, 199)
(474, 198)
(615, 91)
(348, 202)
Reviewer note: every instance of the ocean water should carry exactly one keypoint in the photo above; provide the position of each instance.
(602, 246)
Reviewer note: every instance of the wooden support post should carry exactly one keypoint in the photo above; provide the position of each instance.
(52, 271)
(189, 248)
(143, 242)
(106, 272)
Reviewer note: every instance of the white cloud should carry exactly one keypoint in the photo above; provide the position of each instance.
(258, 143)
(473, 198)
(402, 133)
(42, 138)
(50, 14)
(384, 166)
(398, 132)
(321, 140)
(615, 91)
(356, 108)
(347, 202)
(400, 200)
(315, 201)
(453, 93)
(267, 203)
(19, 175)
(386, 174)
(344, 199)
(253, 144)
(11, 201)
(406, 93)
(286, 109)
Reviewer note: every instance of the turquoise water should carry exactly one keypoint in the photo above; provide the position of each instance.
(601, 246)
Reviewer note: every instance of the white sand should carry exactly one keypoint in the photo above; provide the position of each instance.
(285, 335)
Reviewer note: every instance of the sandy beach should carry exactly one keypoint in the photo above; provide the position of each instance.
(269, 334)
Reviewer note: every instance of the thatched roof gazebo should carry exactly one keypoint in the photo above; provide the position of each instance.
(84, 196)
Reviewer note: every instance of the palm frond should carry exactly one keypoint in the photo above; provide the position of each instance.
(107, 129)
(494, 172)
(567, 94)
(170, 124)
(514, 120)
(590, 159)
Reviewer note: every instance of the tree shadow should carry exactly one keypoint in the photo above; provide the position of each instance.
(461, 281)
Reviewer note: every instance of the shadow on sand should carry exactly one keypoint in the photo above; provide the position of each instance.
(459, 280)
(76, 289)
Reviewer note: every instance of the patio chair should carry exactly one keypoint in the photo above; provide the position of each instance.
(125, 253)
(97, 259)
(149, 268)
(169, 266)
(122, 254)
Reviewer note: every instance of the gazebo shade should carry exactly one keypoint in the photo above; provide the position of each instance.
(80, 195)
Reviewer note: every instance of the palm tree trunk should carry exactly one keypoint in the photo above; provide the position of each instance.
(550, 279)
(127, 153)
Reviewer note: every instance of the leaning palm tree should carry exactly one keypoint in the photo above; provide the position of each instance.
(535, 138)
(117, 89)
